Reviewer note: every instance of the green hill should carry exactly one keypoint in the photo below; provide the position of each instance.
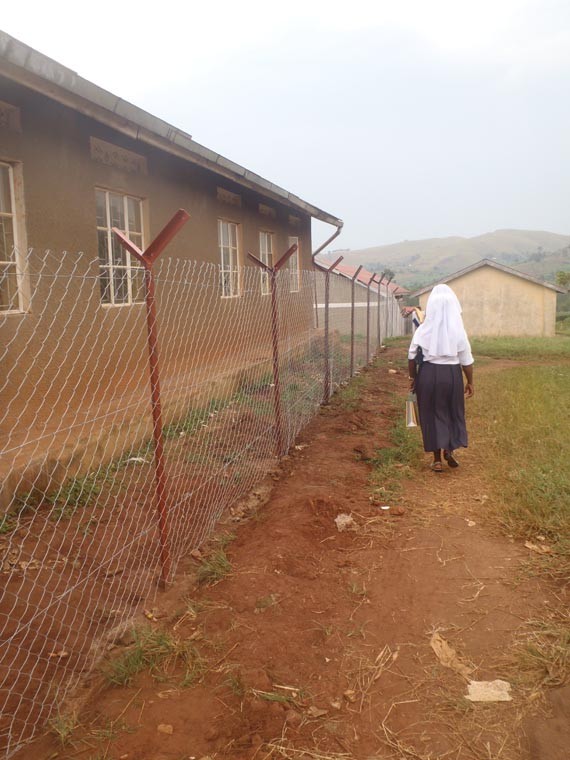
(419, 262)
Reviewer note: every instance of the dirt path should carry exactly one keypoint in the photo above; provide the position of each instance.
(319, 640)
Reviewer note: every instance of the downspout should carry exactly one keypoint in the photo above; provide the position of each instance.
(335, 234)
(339, 227)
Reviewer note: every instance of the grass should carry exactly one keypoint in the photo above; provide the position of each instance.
(153, 649)
(541, 654)
(195, 670)
(7, 524)
(214, 567)
(193, 420)
(236, 685)
(358, 590)
(225, 539)
(522, 348)
(521, 417)
(349, 397)
(358, 338)
(63, 726)
(392, 463)
(265, 602)
(563, 324)
(272, 696)
(74, 494)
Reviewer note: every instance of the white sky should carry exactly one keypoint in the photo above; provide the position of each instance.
(408, 119)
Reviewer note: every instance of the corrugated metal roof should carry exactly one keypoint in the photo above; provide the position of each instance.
(348, 271)
(493, 265)
(37, 71)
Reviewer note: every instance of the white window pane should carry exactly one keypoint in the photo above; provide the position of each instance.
(100, 202)
(8, 288)
(137, 240)
(134, 262)
(225, 240)
(121, 276)
(134, 212)
(227, 245)
(6, 239)
(5, 194)
(105, 284)
(119, 255)
(102, 247)
(121, 285)
(117, 211)
(137, 284)
(225, 282)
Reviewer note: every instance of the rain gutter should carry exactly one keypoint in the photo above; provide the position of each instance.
(30, 68)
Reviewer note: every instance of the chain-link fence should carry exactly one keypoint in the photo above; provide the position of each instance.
(80, 545)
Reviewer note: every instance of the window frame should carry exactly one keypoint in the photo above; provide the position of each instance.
(234, 266)
(131, 261)
(264, 256)
(294, 271)
(17, 215)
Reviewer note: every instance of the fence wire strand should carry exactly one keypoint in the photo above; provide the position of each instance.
(79, 545)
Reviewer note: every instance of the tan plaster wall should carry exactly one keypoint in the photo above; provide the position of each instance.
(497, 303)
(68, 352)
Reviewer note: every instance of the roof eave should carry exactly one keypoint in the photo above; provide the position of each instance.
(478, 265)
(34, 70)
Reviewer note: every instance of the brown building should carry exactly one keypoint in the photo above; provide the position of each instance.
(76, 160)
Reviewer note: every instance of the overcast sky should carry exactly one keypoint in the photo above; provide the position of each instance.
(407, 119)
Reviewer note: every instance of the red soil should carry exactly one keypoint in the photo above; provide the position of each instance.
(340, 623)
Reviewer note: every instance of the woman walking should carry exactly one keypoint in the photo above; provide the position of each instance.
(438, 352)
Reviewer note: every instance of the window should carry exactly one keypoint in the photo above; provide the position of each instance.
(121, 275)
(293, 266)
(229, 256)
(10, 272)
(266, 255)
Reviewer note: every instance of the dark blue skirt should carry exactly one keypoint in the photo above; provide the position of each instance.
(441, 404)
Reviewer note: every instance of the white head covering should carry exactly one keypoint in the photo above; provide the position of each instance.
(442, 333)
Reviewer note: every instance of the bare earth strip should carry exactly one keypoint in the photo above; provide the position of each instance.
(320, 643)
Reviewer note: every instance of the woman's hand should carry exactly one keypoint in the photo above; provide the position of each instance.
(412, 384)
(469, 390)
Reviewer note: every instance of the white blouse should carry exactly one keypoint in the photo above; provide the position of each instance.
(463, 357)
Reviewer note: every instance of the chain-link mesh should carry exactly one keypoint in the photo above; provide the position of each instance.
(79, 544)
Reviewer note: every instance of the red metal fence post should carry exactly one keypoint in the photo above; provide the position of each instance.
(389, 307)
(368, 318)
(272, 273)
(374, 281)
(147, 258)
(352, 284)
(378, 326)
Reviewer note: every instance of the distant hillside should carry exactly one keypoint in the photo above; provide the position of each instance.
(418, 262)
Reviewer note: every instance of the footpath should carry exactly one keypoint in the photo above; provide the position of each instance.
(330, 626)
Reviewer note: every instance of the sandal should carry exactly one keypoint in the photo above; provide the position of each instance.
(450, 459)
(436, 466)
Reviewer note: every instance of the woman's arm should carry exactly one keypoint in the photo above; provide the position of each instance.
(468, 372)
